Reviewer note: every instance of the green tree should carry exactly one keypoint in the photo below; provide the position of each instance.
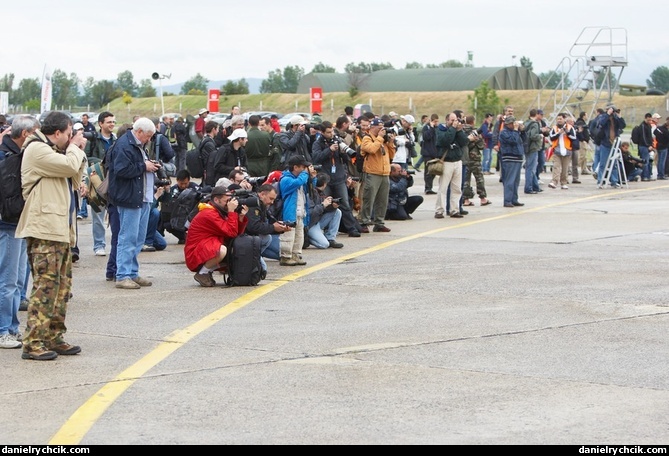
(659, 79)
(484, 100)
(65, 89)
(240, 87)
(358, 68)
(447, 64)
(525, 62)
(282, 82)
(196, 83)
(102, 92)
(320, 67)
(146, 89)
(413, 66)
(28, 90)
(126, 83)
(7, 82)
(552, 80)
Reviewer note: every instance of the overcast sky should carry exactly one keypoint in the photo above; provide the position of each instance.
(226, 40)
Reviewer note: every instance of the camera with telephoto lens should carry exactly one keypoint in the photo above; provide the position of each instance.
(244, 198)
(162, 179)
(255, 181)
(317, 167)
(411, 171)
(89, 135)
(343, 147)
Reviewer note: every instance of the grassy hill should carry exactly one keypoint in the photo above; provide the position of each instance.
(417, 103)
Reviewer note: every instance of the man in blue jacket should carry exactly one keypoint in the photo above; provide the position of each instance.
(611, 126)
(131, 191)
(294, 189)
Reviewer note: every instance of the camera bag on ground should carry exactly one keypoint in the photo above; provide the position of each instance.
(11, 196)
(244, 266)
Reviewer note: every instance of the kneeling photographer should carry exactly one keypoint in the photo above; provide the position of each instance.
(333, 154)
(216, 223)
(400, 204)
(324, 217)
(262, 223)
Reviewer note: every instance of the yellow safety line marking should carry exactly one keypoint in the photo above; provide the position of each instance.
(83, 419)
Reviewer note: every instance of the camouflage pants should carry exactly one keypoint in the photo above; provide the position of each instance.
(51, 267)
(474, 167)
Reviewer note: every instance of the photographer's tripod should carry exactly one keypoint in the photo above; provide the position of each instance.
(615, 159)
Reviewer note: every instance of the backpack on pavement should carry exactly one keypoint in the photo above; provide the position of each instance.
(244, 266)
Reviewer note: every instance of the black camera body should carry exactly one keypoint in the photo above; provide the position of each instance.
(343, 147)
(411, 171)
(89, 135)
(4, 127)
(336, 200)
(317, 167)
(162, 179)
(245, 198)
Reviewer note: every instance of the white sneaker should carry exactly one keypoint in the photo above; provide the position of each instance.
(100, 252)
(564, 187)
(552, 185)
(9, 341)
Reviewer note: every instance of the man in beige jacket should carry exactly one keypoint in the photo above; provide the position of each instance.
(52, 168)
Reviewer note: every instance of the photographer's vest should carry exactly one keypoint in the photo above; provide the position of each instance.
(556, 142)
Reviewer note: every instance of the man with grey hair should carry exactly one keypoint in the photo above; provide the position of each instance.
(131, 183)
(14, 258)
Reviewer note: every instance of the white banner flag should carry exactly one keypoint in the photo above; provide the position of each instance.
(46, 91)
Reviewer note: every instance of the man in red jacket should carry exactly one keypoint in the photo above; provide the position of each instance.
(209, 232)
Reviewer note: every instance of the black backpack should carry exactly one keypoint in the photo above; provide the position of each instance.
(11, 193)
(184, 209)
(244, 266)
(636, 135)
(194, 161)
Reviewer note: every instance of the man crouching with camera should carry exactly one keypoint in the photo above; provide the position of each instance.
(214, 225)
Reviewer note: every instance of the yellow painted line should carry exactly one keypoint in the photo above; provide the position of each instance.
(83, 419)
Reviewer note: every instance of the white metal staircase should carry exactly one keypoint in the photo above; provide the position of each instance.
(597, 54)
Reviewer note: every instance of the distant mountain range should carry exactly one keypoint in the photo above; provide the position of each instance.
(254, 85)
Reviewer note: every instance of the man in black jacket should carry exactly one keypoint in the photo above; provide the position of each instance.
(262, 224)
(428, 150)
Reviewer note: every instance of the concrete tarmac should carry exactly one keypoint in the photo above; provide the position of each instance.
(543, 324)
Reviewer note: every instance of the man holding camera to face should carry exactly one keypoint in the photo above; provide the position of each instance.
(400, 204)
(211, 229)
(562, 136)
(294, 189)
(378, 148)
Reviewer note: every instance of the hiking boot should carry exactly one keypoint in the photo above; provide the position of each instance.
(287, 262)
(66, 349)
(298, 259)
(39, 354)
(127, 284)
(205, 280)
(9, 341)
(142, 282)
(335, 245)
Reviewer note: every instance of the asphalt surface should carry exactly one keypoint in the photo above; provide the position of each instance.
(545, 324)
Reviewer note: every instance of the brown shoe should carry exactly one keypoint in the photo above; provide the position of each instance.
(66, 349)
(287, 262)
(142, 282)
(205, 280)
(298, 259)
(381, 229)
(39, 354)
(127, 284)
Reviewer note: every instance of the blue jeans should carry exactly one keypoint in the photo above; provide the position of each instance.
(329, 223)
(273, 250)
(153, 237)
(595, 159)
(487, 159)
(83, 210)
(511, 171)
(661, 159)
(633, 174)
(604, 152)
(131, 238)
(98, 229)
(266, 243)
(531, 180)
(644, 154)
(541, 162)
(115, 226)
(13, 264)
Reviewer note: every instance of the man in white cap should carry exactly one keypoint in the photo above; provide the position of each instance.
(405, 141)
(295, 140)
(199, 122)
(231, 155)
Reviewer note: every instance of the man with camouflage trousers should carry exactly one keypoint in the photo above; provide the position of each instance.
(52, 168)
(474, 166)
